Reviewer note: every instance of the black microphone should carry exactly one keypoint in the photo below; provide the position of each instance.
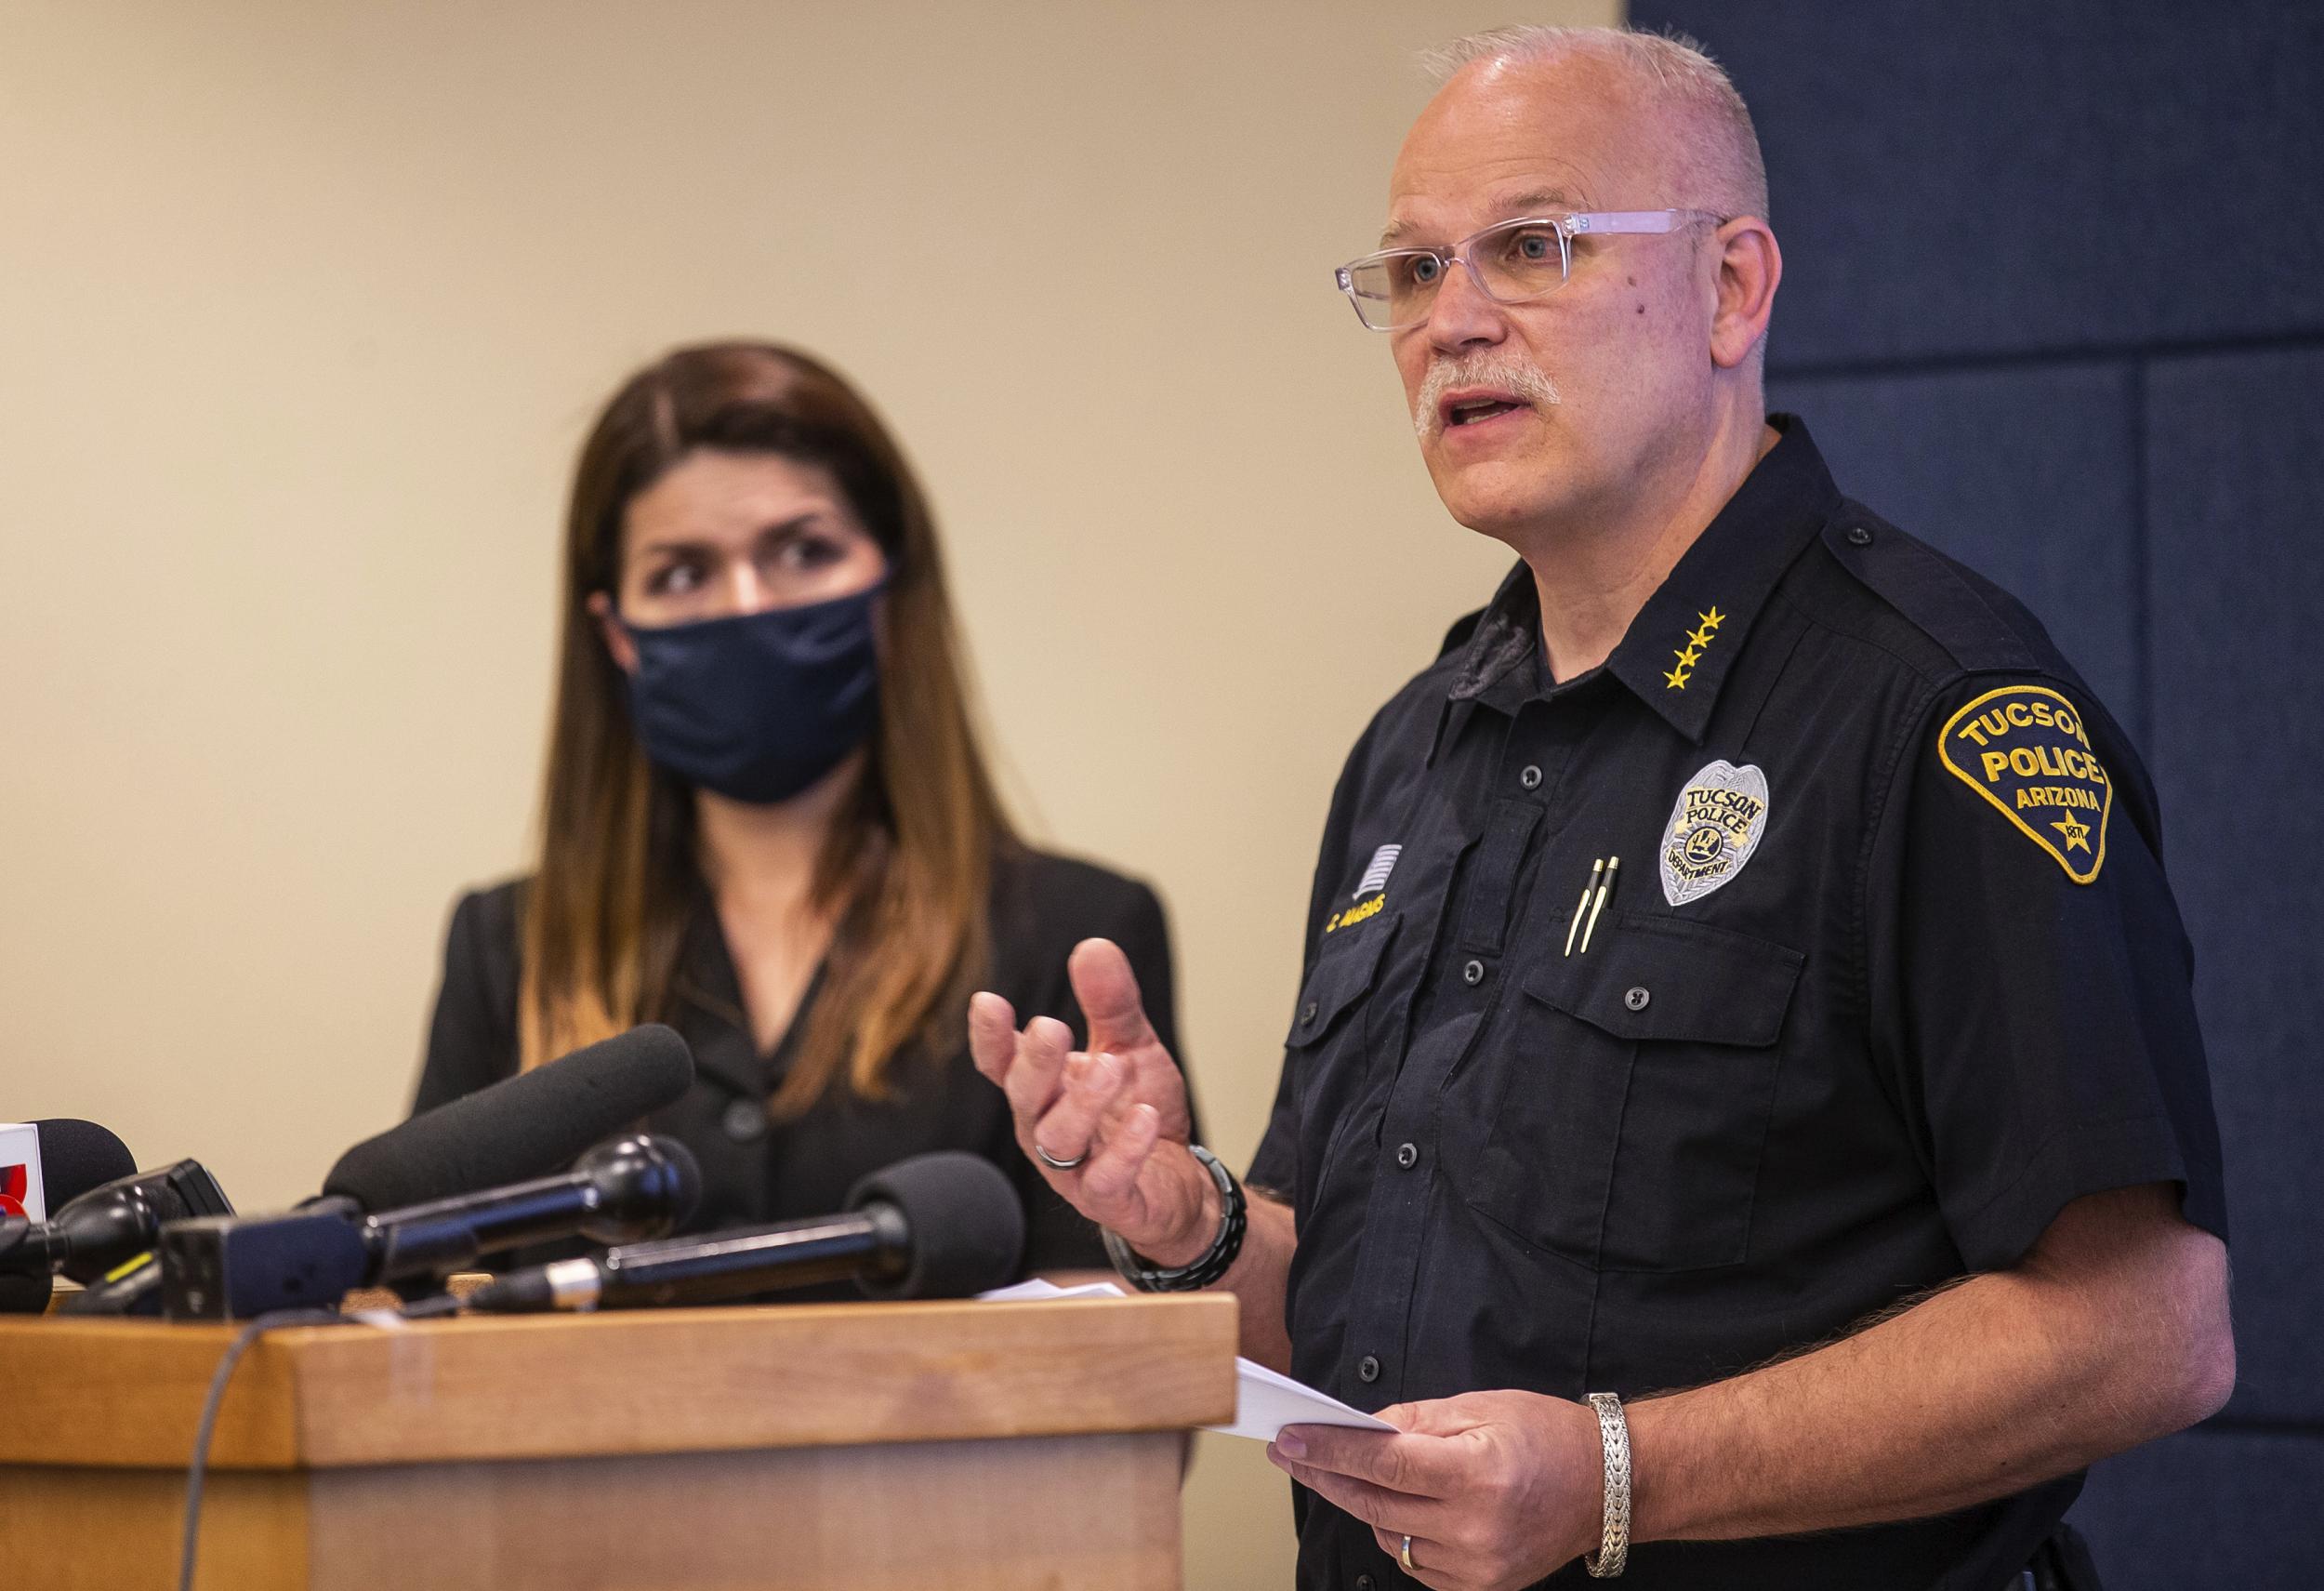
(524, 1126)
(520, 1127)
(936, 1226)
(74, 1158)
(78, 1156)
(91, 1234)
(637, 1187)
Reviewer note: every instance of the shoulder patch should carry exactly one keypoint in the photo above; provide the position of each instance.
(2025, 749)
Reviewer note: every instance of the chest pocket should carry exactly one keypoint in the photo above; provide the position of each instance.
(1325, 1050)
(1641, 1075)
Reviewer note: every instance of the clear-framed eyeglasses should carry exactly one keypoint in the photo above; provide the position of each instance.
(1513, 262)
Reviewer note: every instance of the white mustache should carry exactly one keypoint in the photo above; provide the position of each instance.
(1478, 370)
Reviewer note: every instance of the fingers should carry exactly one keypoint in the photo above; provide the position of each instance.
(1430, 1560)
(1038, 1070)
(1069, 1127)
(1375, 1506)
(992, 1035)
(1392, 1514)
(1407, 1464)
(1433, 1417)
(1108, 992)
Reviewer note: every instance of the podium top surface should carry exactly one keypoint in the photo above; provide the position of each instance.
(127, 1392)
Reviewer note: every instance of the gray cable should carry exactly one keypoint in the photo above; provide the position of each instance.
(254, 1329)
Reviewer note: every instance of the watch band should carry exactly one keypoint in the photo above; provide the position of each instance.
(1212, 1263)
(1614, 1535)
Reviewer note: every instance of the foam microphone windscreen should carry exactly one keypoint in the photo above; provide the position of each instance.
(74, 1158)
(529, 1125)
(965, 1221)
(78, 1156)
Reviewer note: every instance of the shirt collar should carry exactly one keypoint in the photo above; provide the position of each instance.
(707, 979)
(1676, 653)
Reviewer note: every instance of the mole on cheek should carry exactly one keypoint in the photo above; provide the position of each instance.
(1632, 280)
(1642, 309)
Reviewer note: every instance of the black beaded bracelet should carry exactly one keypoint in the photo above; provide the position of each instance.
(1214, 1263)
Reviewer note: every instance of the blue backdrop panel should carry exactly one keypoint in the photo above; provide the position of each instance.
(2024, 474)
(2236, 460)
(2052, 268)
(2208, 1508)
(1990, 175)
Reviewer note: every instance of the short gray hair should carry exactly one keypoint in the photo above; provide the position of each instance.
(1673, 67)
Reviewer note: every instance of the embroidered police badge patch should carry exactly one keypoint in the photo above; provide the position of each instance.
(2024, 749)
(1713, 829)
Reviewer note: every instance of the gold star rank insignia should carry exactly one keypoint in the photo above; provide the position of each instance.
(1697, 639)
(2026, 751)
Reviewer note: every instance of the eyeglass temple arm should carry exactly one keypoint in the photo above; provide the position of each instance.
(1624, 220)
(1631, 221)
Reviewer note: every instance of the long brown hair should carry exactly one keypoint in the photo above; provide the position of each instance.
(906, 867)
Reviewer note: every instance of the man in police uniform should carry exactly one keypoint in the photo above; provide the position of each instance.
(1744, 1117)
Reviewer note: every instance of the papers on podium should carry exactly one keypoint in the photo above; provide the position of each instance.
(1264, 1401)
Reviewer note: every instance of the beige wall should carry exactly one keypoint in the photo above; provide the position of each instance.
(303, 309)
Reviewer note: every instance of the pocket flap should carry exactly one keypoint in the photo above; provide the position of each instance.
(1660, 978)
(1341, 975)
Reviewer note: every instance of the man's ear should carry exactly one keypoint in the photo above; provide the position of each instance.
(1750, 267)
(623, 650)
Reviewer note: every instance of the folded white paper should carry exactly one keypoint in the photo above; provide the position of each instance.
(1264, 1401)
(1025, 1292)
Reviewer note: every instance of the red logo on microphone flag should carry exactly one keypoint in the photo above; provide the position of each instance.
(14, 1182)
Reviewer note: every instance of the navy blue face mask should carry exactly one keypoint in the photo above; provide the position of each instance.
(759, 706)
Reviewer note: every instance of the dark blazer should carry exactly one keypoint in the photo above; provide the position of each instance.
(754, 1171)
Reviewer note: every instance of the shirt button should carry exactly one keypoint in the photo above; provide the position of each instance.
(746, 1119)
(1407, 1154)
(1859, 536)
(1363, 1583)
(1637, 997)
(1531, 776)
(1472, 973)
(1367, 1368)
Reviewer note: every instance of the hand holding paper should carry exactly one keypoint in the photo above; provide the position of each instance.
(1264, 1401)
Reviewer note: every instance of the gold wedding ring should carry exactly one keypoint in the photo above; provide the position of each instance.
(1404, 1554)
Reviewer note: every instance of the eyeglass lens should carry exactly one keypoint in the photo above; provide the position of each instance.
(1519, 260)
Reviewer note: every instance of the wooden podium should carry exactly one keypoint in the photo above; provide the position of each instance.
(903, 1446)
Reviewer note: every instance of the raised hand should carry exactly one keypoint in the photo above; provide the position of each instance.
(1115, 1114)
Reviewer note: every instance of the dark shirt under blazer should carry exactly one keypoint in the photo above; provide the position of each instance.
(755, 1171)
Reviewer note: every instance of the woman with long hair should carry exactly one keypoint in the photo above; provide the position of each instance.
(766, 820)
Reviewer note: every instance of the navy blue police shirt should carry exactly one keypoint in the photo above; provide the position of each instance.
(1813, 951)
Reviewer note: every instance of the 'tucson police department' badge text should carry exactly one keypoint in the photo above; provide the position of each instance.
(2024, 749)
(1714, 826)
